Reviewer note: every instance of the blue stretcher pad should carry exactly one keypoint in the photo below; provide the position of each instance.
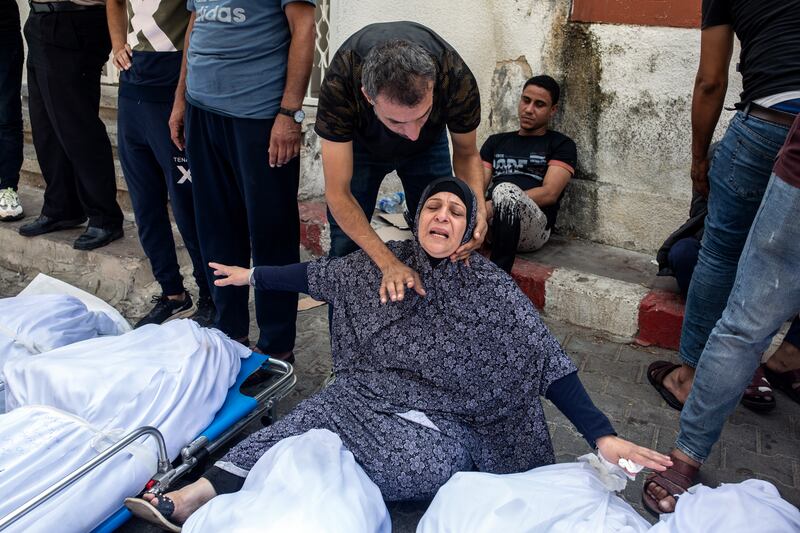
(236, 407)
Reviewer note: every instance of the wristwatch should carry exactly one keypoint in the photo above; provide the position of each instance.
(297, 115)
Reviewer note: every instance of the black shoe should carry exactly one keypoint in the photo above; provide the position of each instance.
(44, 224)
(96, 237)
(206, 314)
(166, 309)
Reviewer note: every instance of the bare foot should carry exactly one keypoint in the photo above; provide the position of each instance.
(679, 382)
(187, 500)
(667, 501)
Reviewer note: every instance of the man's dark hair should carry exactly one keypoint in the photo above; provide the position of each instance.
(399, 70)
(548, 84)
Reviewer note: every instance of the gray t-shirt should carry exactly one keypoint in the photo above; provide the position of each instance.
(237, 56)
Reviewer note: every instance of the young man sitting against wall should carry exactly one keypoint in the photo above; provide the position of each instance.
(527, 171)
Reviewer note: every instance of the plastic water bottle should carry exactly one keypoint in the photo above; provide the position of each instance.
(393, 203)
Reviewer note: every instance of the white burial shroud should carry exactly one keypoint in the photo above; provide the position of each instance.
(30, 325)
(579, 498)
(173, 376)
(562, 498)
(308, 483)
(41, 445)
(752, 505)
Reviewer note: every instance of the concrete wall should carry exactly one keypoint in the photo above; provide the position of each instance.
(626, 100)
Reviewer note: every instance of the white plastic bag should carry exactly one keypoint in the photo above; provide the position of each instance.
(41, 445)
(34, 324)
(751, 505)
(173, 376)
(44, 284)
(309, 483)
(569, 498)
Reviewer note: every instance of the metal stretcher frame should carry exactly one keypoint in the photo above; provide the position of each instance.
(236, 412)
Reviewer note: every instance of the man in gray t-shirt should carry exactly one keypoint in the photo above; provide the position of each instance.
(246, 69)
(255, 38)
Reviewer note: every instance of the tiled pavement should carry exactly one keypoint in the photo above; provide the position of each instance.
(752, 445)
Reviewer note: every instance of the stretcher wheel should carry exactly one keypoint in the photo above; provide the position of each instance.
(267, 420)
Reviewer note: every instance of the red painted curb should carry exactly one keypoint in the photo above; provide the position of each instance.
(660, 319)
(532, 278)
(313, 218)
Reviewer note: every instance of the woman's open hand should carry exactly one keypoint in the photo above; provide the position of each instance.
(230, 275)
(614, 448)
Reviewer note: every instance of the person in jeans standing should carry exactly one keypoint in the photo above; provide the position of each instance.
(742, 163)
(246, 68)
(10, 110)
(766, 293)
(147, 46)
(68, 45)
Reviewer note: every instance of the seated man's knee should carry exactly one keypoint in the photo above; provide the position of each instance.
(506, 199)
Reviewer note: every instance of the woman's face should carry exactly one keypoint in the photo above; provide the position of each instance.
(442, 223)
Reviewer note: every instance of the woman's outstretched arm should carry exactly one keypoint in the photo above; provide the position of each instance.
(289, 278)
(571, 398)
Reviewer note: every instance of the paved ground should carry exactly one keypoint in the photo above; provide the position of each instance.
(752, 445)
(762, 446)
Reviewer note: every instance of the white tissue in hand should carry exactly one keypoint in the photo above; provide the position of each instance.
(630, 468)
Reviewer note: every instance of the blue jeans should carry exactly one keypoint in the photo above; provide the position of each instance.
(739, 175)
(10, 108)
(766, 293)
(415, 172)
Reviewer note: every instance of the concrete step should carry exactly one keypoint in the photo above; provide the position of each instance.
(118, 273)
(608, 289)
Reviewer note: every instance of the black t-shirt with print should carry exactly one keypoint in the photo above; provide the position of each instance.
(523, 161)
(769, 31)
(343, 114)
(9, 18)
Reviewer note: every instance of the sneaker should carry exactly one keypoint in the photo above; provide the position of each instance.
(10, 209)
(166, 309)
(206, 313)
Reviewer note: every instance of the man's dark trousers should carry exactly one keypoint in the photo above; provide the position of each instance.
(156, 173)
(66, 52)
(243, 204)
(11, 53)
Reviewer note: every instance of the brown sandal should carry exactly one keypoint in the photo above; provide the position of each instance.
(758, 395)
(785, 381)
(675, 480)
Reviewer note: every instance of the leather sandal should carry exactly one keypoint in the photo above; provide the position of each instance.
(758, 396)
(676, 480)
(656, 373)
